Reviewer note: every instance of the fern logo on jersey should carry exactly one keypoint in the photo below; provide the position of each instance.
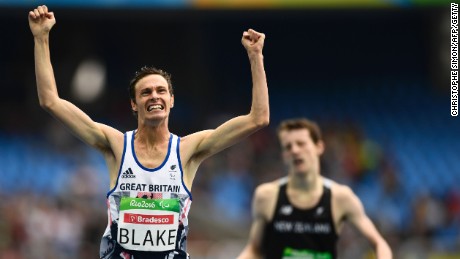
(319, 211)
(128, 174)
(286, 210)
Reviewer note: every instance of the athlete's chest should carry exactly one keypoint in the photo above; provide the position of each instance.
(164, 178)
(151, 157)
(303, 202)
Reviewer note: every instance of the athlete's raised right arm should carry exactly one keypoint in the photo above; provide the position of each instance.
(41, 21)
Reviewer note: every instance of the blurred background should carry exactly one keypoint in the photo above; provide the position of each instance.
(373, 73)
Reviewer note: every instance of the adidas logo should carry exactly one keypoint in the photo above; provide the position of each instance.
(128, 174)
(172, 168)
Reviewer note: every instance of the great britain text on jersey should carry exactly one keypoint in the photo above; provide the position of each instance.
(150, 187)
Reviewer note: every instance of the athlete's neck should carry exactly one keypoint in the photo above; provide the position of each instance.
(305, 182)
(152, 135)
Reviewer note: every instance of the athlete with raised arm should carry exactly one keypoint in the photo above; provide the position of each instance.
(151, 170)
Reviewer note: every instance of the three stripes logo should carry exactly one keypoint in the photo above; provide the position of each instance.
(128, 174)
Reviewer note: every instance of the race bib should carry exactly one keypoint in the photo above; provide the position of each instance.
(290, 253)
(148, 225)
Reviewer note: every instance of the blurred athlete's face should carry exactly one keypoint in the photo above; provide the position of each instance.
(153, 99)
(300, 153)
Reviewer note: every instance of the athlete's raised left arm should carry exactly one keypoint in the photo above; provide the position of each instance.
(210, 142)
(354, 213)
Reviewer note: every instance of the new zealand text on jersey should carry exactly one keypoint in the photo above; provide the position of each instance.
(149, 187)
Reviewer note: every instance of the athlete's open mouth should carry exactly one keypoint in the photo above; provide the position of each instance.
(155, 107)
(298, 161)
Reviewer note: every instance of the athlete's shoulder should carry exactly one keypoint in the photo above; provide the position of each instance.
(109, 130)
(269, 190)
(340, 192)
(265, 198)
(196, 135)
(334, 186)
(114, 137)
(192, 141)
(189, 143)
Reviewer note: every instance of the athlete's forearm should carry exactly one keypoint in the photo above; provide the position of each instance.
(249, 253)
(46, 85)
(383, 250)
(260, 110)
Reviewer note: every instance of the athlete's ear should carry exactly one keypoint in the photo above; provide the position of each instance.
(133, 106)
(172, 101)
(320, 146)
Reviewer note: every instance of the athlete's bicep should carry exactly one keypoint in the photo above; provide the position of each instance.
(253, 249)
(259, 216)
(356, 215)
(226, 135)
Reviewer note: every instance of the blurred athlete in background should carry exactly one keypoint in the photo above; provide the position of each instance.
(302, 214)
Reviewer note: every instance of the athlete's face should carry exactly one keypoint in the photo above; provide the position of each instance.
(153, 99)
(300, 153)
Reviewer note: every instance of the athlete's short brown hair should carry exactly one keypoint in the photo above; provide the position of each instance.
(301, 123)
